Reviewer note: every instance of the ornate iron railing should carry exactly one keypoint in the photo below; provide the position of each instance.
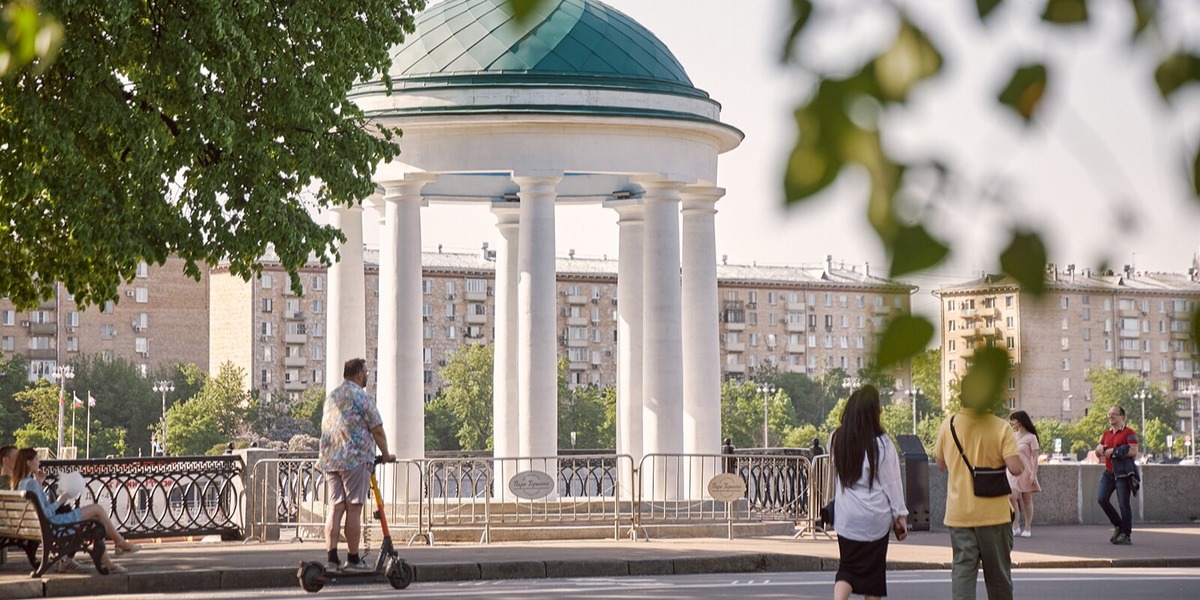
(162, 496)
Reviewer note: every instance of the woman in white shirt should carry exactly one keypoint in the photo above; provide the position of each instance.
(869, 502)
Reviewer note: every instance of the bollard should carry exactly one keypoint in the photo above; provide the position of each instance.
(916, 481)
(730, 462)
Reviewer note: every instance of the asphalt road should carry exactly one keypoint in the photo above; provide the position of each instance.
(1060, 584)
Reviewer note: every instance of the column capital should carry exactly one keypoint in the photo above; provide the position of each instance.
(405, 188)
(700, 199)
(629, 212)
(543, 183)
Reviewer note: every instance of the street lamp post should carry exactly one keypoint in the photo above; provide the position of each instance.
(62, 373)
(164, 386)
(1193, 390)
(1141, 395)
(766, 390)
(912, 396)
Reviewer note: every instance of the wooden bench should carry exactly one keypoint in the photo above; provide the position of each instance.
(24, 525)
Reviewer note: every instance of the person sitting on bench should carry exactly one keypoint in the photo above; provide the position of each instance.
(27, 476)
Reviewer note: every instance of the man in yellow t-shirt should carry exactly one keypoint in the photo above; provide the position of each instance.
(980, 528)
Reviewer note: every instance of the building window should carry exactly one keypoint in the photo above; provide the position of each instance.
(267, 305)
(266, 281)
(108, 307)
(108, 332)
(427, 355)
(318, 330)
(1010, 342)
(267, 354)
(141, 345)
(141, 295)
(8, 343)
(264, 328)
(318, 283)
(1065, 324)
(1066, 343)
(451, 332)
(318, 306)
(951, 346)
(476, 286)
(143, 270)
(8, 317)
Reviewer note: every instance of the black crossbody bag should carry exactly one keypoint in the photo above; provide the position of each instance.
(989, 482)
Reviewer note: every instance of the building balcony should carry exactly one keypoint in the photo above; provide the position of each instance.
(969, 313)
(577, 343)
(1129, 313)
(473, 319)
(739, 368)
(294, 361)
(1129, 333)
(295, 386)
(970, 332)
(796, 348)
(1183, 374)
(41, 354)
(295, 338)
(578, 366)
(793, 327)
(476, 296)
(43, 328)
(576, 300)
(297, 315)
(967, 352)
(577, 321)
(796, 307)
(735, 326)
(1129, 352)
(735, 346)
(1180, 335)
(880, 309)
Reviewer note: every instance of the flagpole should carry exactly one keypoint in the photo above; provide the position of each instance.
(88, 455)
(73, 420)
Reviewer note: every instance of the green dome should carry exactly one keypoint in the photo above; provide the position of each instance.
(566, 42)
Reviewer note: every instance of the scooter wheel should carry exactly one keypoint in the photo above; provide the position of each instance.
(312, 577)
(400, 574)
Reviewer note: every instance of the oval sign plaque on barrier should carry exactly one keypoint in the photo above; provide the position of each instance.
(531, 485)
(726, 487)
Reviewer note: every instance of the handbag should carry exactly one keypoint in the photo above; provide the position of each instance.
(827, 516)
(989, 482)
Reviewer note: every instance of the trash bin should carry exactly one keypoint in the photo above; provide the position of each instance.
(916, 481)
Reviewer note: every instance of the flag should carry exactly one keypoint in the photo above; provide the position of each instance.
(78, 402)
(91, 401)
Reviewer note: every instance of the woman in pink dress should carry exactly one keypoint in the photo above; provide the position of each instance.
(1024, 485)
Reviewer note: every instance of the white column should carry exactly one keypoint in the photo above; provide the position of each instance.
(346, 319)
(399, 375)
(701, 356)
(537, 357)
(629, 334)
(506, 433)
(662, 375)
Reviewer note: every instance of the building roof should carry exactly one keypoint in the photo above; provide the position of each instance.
(563, 42)
(1085, 281)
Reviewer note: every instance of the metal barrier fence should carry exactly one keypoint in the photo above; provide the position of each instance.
(482, 494)
(820, 483)
(672, 489)
(161, 497)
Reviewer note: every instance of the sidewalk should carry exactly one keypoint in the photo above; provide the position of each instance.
(197, 566)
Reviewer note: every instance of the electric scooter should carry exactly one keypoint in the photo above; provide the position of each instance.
(399, 574)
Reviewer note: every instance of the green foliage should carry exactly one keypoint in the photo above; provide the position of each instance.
(441, 427)
(983, 385)
(309, 410)
(742, 414)
(39, 402)
(124, 398)
(927, 376)
(193, 430)
(590, 412)
(905, 336)
(13, 379)
(220, 411)
(809, 398)
(840, 128)
(205, 131)
(897, 418)
(468, 394)
(28, 38)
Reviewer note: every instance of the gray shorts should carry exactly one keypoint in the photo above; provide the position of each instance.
(352, 486)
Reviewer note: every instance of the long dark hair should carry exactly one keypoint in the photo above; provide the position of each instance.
(1022, 417)
(857, 437)
(20, 468)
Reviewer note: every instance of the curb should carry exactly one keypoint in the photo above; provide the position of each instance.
(283, 577)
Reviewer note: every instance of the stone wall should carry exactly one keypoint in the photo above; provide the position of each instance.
(1170, 494)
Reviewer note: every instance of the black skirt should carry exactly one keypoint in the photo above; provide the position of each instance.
(863, 565)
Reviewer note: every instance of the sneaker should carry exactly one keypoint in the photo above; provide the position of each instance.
(1026, 534)
(1016, 530)
(356, 567)
(332, 566)
(67, 565)
(1116, 533)
(1123, 540)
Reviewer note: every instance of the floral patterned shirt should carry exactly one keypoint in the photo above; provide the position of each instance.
(349, 416)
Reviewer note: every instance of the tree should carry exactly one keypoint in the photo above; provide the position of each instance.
(927, 377)
(809, 398)
(309, 410)
(203, 131)
(192, 429)
(742, 414)
(855, 102)
(40, 405)
(124, 398)
(468, 394)
(14, 374)
(218, 413)
(441, 427)
(589, 412)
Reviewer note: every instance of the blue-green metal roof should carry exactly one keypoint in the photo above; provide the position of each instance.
(565, 42)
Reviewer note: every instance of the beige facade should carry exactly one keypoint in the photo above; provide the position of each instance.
(801, 319)
(1135, 322)
(159, 319)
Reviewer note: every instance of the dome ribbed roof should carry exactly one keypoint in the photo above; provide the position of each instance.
(565, 42)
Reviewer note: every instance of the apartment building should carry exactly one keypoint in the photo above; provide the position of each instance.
(800, 319)
(159, 319)
(1136, 322)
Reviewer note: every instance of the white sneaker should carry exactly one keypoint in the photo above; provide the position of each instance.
(1026, 533)
(1016, 530)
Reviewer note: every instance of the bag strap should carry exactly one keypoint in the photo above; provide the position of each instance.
(954, 434)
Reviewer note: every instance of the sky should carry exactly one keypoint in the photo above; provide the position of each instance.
(1104, 152)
